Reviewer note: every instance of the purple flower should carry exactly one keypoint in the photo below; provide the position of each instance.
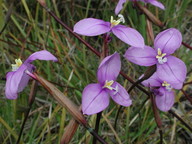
(95, 97)
(18, 78)
(169, 68)
(94, 27)
(163, 91)
(153, 2)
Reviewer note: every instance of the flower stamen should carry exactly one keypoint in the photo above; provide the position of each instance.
(160, 57)
(116, 22)
(17, 64)
(108, 84)
(167, 86)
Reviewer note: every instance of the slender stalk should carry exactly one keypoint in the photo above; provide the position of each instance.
(94, 133)
(103, 55)
(157, 117)
(31, 100)
(186, 45)
(97, 126)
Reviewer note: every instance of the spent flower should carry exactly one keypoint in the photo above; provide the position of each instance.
(96, 96)
(94, 27)
(18, 78)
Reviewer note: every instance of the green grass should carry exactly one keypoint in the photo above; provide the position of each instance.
(31, 29)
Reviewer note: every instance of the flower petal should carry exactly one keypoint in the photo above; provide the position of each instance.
(13, 82)
(153, 81)
(165, 101)
(109, 68)
(91, 27)
(157, 4)
(143, 57)
(119, 6)
(40, 55)
(25, 78)
(94, 99)
(120, 96)
(173, 71)
(128, 35)
(168, 41)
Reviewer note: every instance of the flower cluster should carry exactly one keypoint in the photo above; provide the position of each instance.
(171, 71)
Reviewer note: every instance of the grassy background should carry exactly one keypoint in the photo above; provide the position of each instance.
(30, 28)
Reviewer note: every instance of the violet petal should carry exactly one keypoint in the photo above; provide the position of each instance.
(153, 81)
(173, 71)
(25, 78)
(129, 36)
(109, 68)
(119, 6)
(14, 83)
(166, 100)
(157, 4)
(168, 41)
(40, 55)
(143, 57)
(120, 96)
(91, 27)
(94, 99)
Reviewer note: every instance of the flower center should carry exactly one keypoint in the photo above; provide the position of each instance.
(160, 57)
(108, 84)
(167, 86)
(116, 22)
(17, 64)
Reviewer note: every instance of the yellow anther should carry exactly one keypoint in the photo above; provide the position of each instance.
(160, 54)
(160, 57)
(108, 84)
(116, 22)
(165, 84)
(159, 51)
(17, 64)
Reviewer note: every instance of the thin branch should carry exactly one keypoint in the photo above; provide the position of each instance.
(187, 96)
(186, 45)
(180, 119)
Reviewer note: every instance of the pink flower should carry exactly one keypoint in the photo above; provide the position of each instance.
(169, 68)
(95, 97)
(18, 78)
(94, 27)
(164, 95)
